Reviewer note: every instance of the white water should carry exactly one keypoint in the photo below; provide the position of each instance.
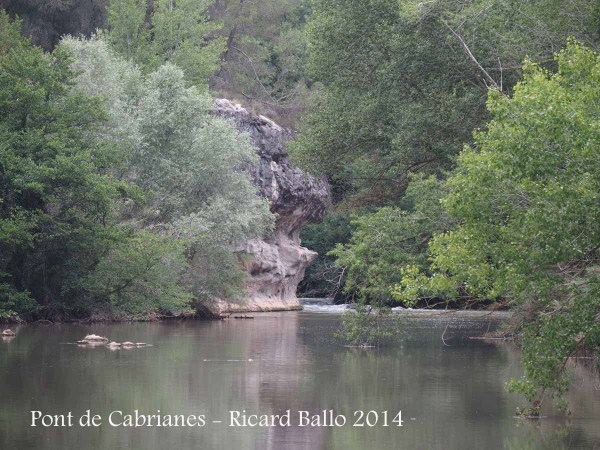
(324, 305)
(330, 309)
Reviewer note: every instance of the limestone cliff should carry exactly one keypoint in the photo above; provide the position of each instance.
(277, 263)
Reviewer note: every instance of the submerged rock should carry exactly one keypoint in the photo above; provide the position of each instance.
(277, 263)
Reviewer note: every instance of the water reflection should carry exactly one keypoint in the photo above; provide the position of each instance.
(451, 396)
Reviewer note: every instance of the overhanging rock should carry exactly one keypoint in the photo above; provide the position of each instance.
(276, 265)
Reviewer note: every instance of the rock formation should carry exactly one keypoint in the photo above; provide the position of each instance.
(277, 263)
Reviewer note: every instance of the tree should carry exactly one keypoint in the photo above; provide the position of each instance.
(58, 203)
(129, 32)
(403, 84)
(526, 200)
(264, 62)
(190, 162)
(391, 100)
(179, 32)
(114, 186)
(389, 238)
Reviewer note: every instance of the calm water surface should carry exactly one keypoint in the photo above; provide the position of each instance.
(451, 395)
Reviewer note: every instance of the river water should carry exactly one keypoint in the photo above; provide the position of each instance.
(451, 392)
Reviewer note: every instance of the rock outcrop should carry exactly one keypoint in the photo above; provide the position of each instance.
(277, 263)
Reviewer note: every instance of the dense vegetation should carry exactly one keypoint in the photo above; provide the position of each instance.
(460, 139)
(407, 96)
(525, 198)
(115, 183)
(509, 219)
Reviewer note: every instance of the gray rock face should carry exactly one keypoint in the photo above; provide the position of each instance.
(277, 264)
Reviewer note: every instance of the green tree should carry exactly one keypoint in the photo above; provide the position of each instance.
(129, 32)
(264, 62)
(57, 196)
(390, 100)
(403, 84)
(389, 238)
(526, 199)
(190, 162)
(141, 274)
(179, 32)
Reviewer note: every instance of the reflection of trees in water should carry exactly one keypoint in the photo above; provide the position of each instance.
(585, 379)
(581, 428)
(455, 391)
(41, 372)
(544, 435)
(429, 381)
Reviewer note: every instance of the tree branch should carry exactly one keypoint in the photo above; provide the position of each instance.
(468, 52)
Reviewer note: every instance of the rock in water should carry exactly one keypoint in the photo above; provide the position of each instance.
(94, 338)
(8, 333)
(277, 264)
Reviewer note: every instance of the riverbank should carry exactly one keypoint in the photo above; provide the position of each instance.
(312, 307)
(316, 305)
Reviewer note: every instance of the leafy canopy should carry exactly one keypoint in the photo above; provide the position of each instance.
(526, 197)
(179, 32)
(190, 162)
(397, 91)
(58, 204)
(389, 238)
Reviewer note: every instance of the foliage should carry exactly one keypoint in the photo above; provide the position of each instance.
(322, 277)
(139, 273)
(388, 103)
(264, 62)
(57, 207)
(14, 303)
(114, 183)
(10, 36)
(399, 92)
(179, 32)
(367, 327)
(189, 161)
(129, 31)
(392, 237)
(526, 197)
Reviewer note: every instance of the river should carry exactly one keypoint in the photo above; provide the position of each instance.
(451, 392)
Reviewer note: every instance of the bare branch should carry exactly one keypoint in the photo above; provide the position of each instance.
(256, 77)
(468, 52)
